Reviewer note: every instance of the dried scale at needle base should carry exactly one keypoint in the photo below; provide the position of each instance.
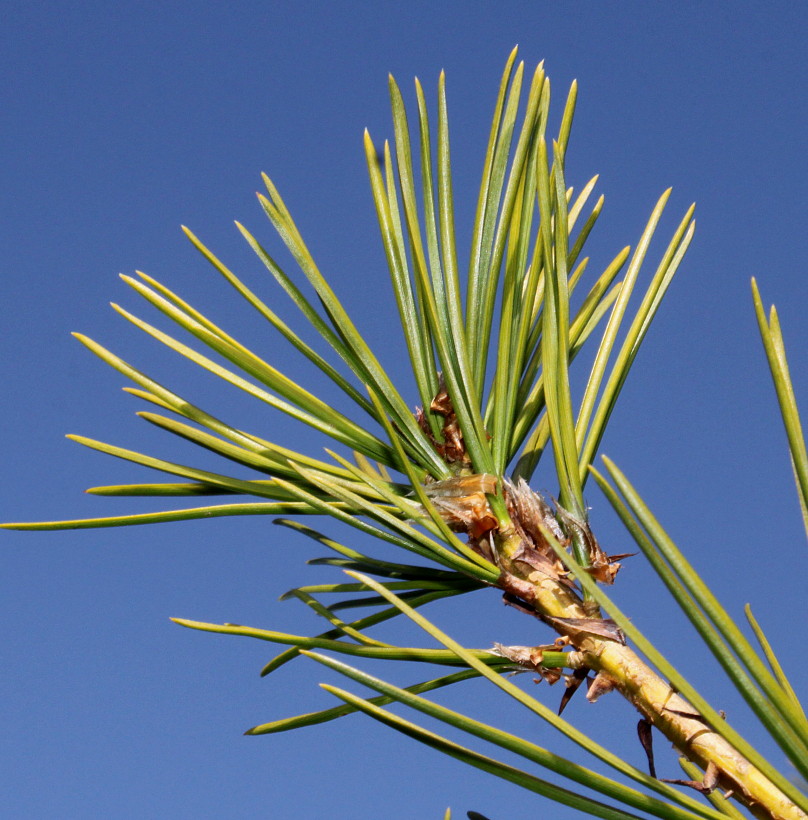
(449, 485)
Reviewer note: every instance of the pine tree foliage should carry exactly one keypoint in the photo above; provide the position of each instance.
(490, 345)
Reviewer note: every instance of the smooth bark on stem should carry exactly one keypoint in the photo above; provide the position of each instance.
(656, 700)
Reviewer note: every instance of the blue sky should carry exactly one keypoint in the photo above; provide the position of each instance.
(120, 124)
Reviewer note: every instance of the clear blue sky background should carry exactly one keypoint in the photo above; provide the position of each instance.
(120, 122)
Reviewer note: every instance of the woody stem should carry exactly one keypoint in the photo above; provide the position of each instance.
(653, 697)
